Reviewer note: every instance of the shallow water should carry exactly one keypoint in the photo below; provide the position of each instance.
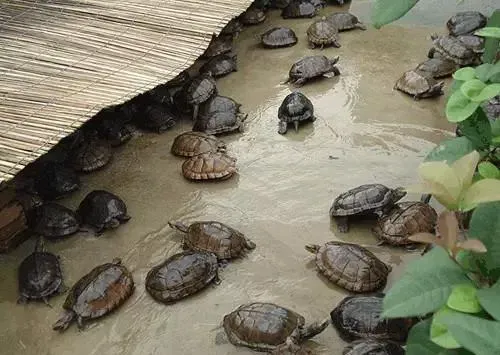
(365, 132)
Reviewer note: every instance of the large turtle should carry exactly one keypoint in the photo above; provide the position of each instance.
(466, 22)
(278, 37)
(363, 200)
(373, 347)
(219, 45)
(454, 49)
(199, 90)
(53, 221)
(220, 65)
(344, 21)
(265, 326)
(437, 67)
(311, 67)
(215, 237)
(296, 107)
(209, 166)
(350, 266)
(419, 85)
(219, 114)
(189, 144)
(102, 290)
(252, 16)
(54, 181)
(156, 117)
(322, 33)
(91, 155)
(298, 9)
(181, 275)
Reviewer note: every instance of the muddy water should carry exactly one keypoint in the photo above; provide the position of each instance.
(365, 132)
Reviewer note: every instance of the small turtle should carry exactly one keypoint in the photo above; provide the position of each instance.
(278, 37)
(179, 80)
(358, 317)
(55, 181)
(452, 48)
(102, 290)
(189, 144)
(29, 200)
(279, 4)
(233, 28)
(322, 33)
(475, 43)
(252, 16)
(466, 22)
(363, 200)
(215, 237)
(182, 275)
(299, 9)
(419, 85)
(219, 114)
(311, 67)
(350, 266)
(261, 4)
(296, 107)
(40, 276)
(345, 21)
(219, 45)
(373, 347)
(404, 220)
(109, 126)
(265, 326)
(53, 221)
(160, 94)
(157, 118)
(92, 155)
(102, 210)
(220, 65)
(181, 105)
(209, 166)
(199, 90)
(437, 67)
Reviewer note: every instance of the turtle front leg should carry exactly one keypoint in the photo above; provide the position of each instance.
(282, 127)
(195, 111)
(299, 82)
(311, 45)
(342, 224)
(223, 263)
(335, 71)
(296, 126)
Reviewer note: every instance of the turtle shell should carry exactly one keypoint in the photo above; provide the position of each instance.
(466, 22)
(373, 347)
(296, 107)
(110, 126)
(55, 181)
(454, 49)
(189, 144)
(220, 65)
(322, 33)
(178, 80)
(279, 4)
(352, 267)
(233, 27)
(298, 9)
(344, 21)
(209, 166)
(53, 221)
(200, 89)
(475, 43)
(419, 84)
(181, 275)
(278, 37)
(219, 45)
(252, 16)
(157, 118)
(311, 67)
(219, 114)
(437, 67)
(404, 220)
(91, 155)
(180, 103)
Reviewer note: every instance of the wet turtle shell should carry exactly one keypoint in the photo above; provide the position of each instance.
(55, 181)
(295, 107)
(358, 317)
(157, 118)
(404, 220)
(110, 126)
(220, 65)
(344, 21)
(53, 221)
(102, 210)
(454, 49)
(373, 347)
(350, 266)
(92, 155)
(466, 22)
(233, 28)
(265, 326)
(199, 90)
(419, 85)
(278, 37)
(28, 200)
(219, 114)
(102, 290)
(182, 275)
(437, 67)
(318, 4)
(215, 237)
(179, 80)
(298, 9)
(322, 33)
(475, 43)
(252, 16)
(189, 144)
(311, 67)
(219, 45)
(209, 166)
(180, 103)
(363, 200)
(279, 4)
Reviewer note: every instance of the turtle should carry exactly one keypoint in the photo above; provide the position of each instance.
(91, 155)
(209, 166)
(261, 4)
(363, 200)
(191, 143)
(199, 90)
(40, 276)
(252, 16)
(104, 289)
(157, 118)
(404, 220)
(437, 67)
(214, 237)
(350, 266)
(219, 114)
(110, 127)
(29, 200)
(296, 107)
(219, 45)
(181, 105)
(419, 85)
(53, 221)
(160, 94)
(278, 37)
(101, 210)
(265, 326)
(322, 33)
(220, 65)
(358, 317)
(233, 28)
(318, 4)
(54, 181)
(475, 43)
(466, 22)
(452, 48)
(492, 108)
(299, 9)
(279, 4)
(373, 347)
(345, 21)
(311, 67)
(179, 80)
(182, 275)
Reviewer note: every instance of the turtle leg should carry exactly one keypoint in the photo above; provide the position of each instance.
(299, 82)
(361, 26)
(46, 301)
(282, 127)
(217, 279)
(342, 223)
(80, 324)
(223, 263)
(195, 111)
(311, 45)
(296, 125)
(322, 46)
(335, 71)
(114, 223)
(313, 118)
(124, 218)
(431, 52)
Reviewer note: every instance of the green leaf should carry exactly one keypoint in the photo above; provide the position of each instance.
(465, 74)
(472, 88)
(488, 298)
(425, 285)
(418, 342)
(491, 44)
(459, 107)
(493, 32)
(456, 85)
(495, 127)
(478, 129)
(451, 150)
(488, 170)
(485, 190)
(482, 71)
(496, 141)
(387, 11)
(463, 299)
(439, 331)
(489, 92)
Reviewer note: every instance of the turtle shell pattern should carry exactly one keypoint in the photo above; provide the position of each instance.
(219, 45)
(415, 83)
(345, 21)
(298, 9)
(466, 22)
(91, 155)
(200, 89)
(53, 221)
(253, 16)
(100, 208)
(454, 49)
(362, 199)
(220, 65)
(220, 114)
(189, 144)
(437, 67)
(278, 37)
(373, 347)
(322, 32)
(210, 165)
(296, 107)
(310, 67)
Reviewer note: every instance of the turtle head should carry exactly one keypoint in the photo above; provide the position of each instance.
(117, 261)
(434, 36)
(398, 193)
(334, 60)
(312, 248)
(313, 329)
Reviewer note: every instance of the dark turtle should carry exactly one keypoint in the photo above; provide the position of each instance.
(373, 347)
(181, 105)
(318, 4)
(157, 118)
(298, 9)
(358, 317)
(215, 237)
(233, 28)
(29, 200)
(209, 166)
(219, 45)
(261, 4)
(179, 80)
(419, 85)
(475, 43)
(53, 221)
(102, 290)
(252, 16)
(55, 181)
(102, 210)
(279, 4)
(311, 67)
(199, 90)
(160, 94)
(363, 200)
(322, 33)
(109, 126)
(182, 275)
(350, 266)
(92, 155)
(278, 37)
(265, 326)
(189, 144)
(296, 107)
(219, 114)
(437, 67)
(345, 21)
(454, 49)
(466, 22)
(220, 65)
(40, 276)
(404, 220)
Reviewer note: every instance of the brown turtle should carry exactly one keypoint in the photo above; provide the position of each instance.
(209, 166)
(91, 155)
(350, 266)
(322, 33)
(466, 22)
(189, 144)
(454, 49)
(344, 21)
(299, 9)
(219, 45)
(437, 67)
(278, 37)
(252, 16)
(419, 85)
(311, 67)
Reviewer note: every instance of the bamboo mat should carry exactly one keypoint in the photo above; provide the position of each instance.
(62, 61)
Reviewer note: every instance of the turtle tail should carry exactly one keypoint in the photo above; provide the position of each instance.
(64, 321)
(314, 329)
(312, 248)
(179, 226)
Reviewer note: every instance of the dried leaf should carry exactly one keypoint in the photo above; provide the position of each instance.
(427, 238)
(474, 245)
(448, 228)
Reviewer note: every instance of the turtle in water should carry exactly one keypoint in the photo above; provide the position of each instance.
(419, 85)
(219, 45)
(265, 326)
(189, 144)
(40, 276)
(299, 9)
(296, 107)
(215, 237)
(252, 16)
(179, 80)
(454, 49)
(466, 22)
(350, 266)
(322, 33)
(220, 114)
(209, 166)
(110, 126)
(373, 347)
(233, 28)
(182, 275)
(318, 4)
(358, 317)
(102, 210)
(345, 21)
(157, 118)
(199, 90)
(475, 43)
(54, 181)
(278, 37)
(279, 4)
(363, 200)
(220, 65)
(53, 221)
(181, 105)
(91, 155)
(102, 290)
(311, 67)
(437, 67)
